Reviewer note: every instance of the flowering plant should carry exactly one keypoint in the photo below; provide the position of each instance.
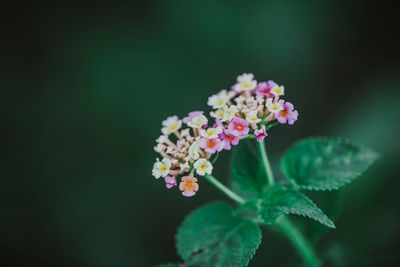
(218, 235)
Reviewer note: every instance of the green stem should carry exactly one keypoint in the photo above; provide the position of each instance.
(224, 189)
(267, 166)
(295, 236)
(298, 240)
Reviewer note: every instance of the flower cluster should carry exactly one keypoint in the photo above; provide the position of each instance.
(248, 110)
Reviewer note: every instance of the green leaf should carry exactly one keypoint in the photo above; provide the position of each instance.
(279, 201)
(247, 169)
(213, 236)
(326, 164)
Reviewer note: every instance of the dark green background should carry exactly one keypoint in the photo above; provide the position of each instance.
(84, 88)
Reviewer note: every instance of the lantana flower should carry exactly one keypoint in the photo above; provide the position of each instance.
(197, 121)
(211, 133)
(170, 181)
(278, 90)
(161, 168)
(219, 100)
(194, 152)
(188, 186)
(238, 127)
(244, 112)
(252, 117)
(260, 134)
(287, 114)
(245, 82)
(171, 124)
(211, 145)
(274, 107)
(190, 116)
(230, 113)
(203, 167)
(229, 139)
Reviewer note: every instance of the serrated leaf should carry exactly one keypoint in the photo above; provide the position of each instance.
(279, 201)
(247, 169)
(326, 164)
(213, 236)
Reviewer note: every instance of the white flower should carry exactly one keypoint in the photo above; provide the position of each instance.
(273, 107)
(197, 121)
(219, 100)
(240, 99)
(252, 117)
(203, 166)
(161, 139)
(230, 113)
(211, 133)
(159, 147)
(194, 151)
(161, 168)
(185, 132)
(171, 124)
(278, 90)
(245, 82)
(184, 166)
(218, 114)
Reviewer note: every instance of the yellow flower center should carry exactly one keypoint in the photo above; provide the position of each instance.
(163, 168)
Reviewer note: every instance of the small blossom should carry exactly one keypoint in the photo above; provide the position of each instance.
(252, 117)
(171, 124)
(203, 166)
(287, 114)
(219, 100)
(194, 151)
(211, 145)
(170, 181)
(188, 186)
(274, 107)
(229, 139)
(197, 121)
(211, 133)
(218, 114)
(238, 127)
(278, 90)
(184, 166)
(264, 88)
(260, 134)
(230, 113)
(161, 168)
(245, 82)
(190, 116)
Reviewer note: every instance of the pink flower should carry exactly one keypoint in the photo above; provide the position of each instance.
(287, 114)
(238, 127)
(211, 145)
(170, 181)
(191, 115)
(228, 139)
(260, 134)
(188, 186)
(264, 88)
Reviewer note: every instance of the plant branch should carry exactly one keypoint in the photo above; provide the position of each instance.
(293, 234)
(224, 189)
(298, 240)
(267, 166)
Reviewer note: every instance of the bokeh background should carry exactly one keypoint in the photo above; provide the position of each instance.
(84, 88)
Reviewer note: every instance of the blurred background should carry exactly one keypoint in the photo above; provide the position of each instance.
(84, 88)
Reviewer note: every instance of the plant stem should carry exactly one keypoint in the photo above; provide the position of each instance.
(298, 240)
(295, 236)
(224, 189)
(267, 166)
